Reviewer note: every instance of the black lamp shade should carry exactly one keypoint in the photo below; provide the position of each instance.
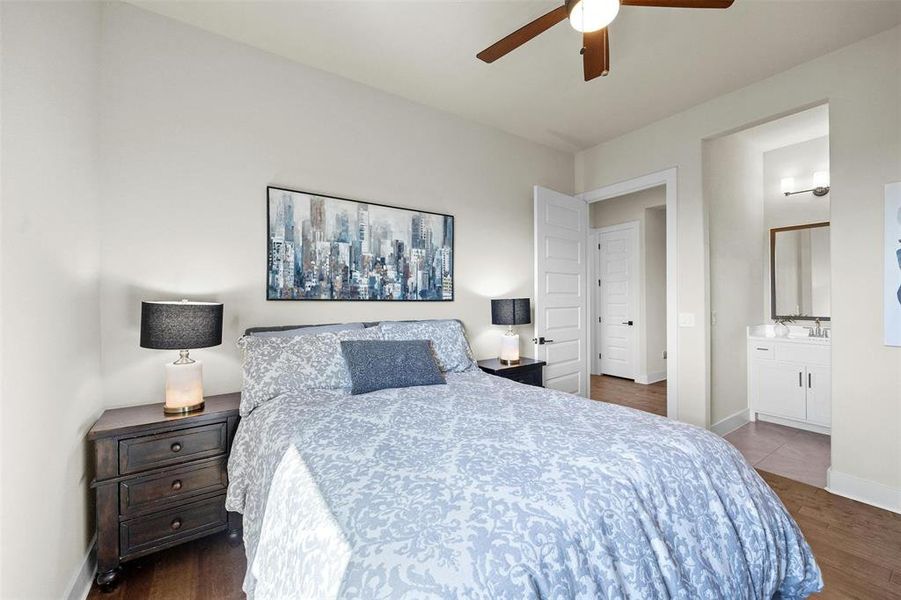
(510, 311)
(180, 325)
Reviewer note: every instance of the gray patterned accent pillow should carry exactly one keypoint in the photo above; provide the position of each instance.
(447, 336)
(383, 364)
(280, 365)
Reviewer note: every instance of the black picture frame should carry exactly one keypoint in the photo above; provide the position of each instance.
(444, 297)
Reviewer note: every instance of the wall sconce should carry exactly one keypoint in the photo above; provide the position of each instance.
(820, 185)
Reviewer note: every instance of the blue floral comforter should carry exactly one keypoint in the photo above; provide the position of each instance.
(486, 488)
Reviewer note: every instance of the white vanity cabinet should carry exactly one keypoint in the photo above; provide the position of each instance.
(819, 395)
(790, 381)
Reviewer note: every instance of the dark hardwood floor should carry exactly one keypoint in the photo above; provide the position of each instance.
(207, 569)
(858, 548)
(649, 398)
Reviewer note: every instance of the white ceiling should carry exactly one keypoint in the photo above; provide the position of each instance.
(663, 60)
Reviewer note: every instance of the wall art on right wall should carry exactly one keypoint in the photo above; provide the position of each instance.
(892, 259)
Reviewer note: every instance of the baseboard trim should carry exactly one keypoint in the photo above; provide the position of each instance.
(794, 424)
(83, 578)
(863, 490)
(731, 423)
(649, 378)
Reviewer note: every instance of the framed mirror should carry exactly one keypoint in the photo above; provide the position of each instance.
(800, 272)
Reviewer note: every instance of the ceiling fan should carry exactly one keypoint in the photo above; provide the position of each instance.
(590, 17)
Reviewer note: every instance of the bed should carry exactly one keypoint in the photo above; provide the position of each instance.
(487, 488)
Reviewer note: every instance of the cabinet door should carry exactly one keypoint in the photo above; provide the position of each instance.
(819, 395)
(781, 389)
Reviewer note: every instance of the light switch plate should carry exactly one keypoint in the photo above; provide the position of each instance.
(686, 319)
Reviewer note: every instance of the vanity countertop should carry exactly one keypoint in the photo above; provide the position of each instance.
(797, 335)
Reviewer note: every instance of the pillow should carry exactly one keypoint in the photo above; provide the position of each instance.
(312, 330)
(447, 337)
(382, 364)
(280, 365)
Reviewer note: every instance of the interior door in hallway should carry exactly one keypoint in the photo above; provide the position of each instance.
(617, 296)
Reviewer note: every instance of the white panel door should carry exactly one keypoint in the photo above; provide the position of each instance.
(617, 295)
(561, 333)
(819, 395)
(781, 389)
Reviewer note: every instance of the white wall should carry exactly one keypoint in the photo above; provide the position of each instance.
(49, 297)
(195, 126)
(733, 194)
(655, 291)
(799, 161)
(862, 85)
(648, 207)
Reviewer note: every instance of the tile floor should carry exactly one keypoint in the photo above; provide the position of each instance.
(794, 453)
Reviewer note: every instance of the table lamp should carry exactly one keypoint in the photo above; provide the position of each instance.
(182, 326)
(510, 312)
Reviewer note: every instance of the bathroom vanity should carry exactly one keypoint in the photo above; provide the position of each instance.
(790, 378)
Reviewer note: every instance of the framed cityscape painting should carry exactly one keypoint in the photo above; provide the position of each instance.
(328, 248)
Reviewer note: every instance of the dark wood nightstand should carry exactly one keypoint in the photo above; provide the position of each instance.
(528, 371)
(160, 479)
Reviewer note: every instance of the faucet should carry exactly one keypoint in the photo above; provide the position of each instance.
(818, 332)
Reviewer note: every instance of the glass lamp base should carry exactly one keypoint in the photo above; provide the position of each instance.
(509, 349)
(182, 410)
(184, 386)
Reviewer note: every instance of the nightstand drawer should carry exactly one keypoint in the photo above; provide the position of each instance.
(171, 526)
(147, 493)
(172, 447)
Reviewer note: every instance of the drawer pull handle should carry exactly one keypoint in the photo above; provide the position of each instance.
(176, 485)
(764, 349)
(176, 447)
(176, 524)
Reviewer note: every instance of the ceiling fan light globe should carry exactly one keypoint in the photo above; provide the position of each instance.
(592, 15)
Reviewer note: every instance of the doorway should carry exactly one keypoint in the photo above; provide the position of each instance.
(564, 284)
(768, 206)
(644, 351)
(629, 300)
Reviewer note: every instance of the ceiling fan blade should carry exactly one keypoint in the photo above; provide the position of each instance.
(522, 35)
(680, 3)
(595, 54)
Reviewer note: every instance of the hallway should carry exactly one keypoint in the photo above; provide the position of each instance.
(625, 392)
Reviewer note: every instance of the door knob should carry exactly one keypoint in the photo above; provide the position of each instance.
(541, 341)
(629, 323)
